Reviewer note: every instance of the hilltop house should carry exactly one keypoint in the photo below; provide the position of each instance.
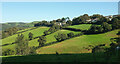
(109, 17)
(60, 23)
(88, 20)
(95, 20)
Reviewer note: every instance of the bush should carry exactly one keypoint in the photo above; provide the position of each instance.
(32, 50)
(8, 52)
(99, 48)
(42, 40)
(61, 37)
(57, 53)
(70, 35)
(79, 34)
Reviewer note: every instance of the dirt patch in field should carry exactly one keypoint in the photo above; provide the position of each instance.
(111, 35)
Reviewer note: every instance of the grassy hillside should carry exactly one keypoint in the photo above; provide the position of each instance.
(17, 24)
(34, 42)
(81, 26)
(50, 38)
(77, 44)
(25, 29)
(36, 32)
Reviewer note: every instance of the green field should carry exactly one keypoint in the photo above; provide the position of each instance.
(81, 26)
(34, 42)
(25, 29)
(36, 32)
(77, 44)
(50, 38)
(72, 49)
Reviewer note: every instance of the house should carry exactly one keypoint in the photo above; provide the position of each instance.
(109, 17)
(88, 20)
(95, 20)
(60, 23)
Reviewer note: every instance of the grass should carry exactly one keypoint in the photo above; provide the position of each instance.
(25, 29)
(36, 32)
(77, 44)
(12, 47)
(84, 57)
(50, 38)
(34, 42)
(81, 26)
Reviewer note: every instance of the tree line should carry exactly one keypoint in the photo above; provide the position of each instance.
(104, 27)
(83, 19)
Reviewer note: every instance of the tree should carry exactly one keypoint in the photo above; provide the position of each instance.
(114, 20)
(100, 29)
(32, 50)
(9, 32)
(30, 36)
(22, 45)
(46, 32)
(42, 23)
(61, 37)
(106, 26)
(57, 53)
(42, 40)
(118, 17)
(76, 21)
(118, 34)
(116, 24)
(80, 19)
(8, 52)
(51, 29)
(3, 34)
(101, 20)
(69, 22)
(64, 37)
(93, 29)
(96, 16)
(54, 28)
(58, 37)
(70, 35)
(53, 22)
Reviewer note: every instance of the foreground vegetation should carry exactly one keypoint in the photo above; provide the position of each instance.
(84, 57)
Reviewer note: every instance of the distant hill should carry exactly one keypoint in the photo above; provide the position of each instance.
(16, 24)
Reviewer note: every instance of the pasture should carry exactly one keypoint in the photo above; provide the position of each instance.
(77, 44)
(81, 26)
(50, 38)
(36, 32)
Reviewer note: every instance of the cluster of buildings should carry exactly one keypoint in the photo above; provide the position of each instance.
(96, 19)
(60, 23)
(90, 20)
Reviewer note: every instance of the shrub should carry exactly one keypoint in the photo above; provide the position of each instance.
(8, 52)
(70, 35)
(61, 37)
